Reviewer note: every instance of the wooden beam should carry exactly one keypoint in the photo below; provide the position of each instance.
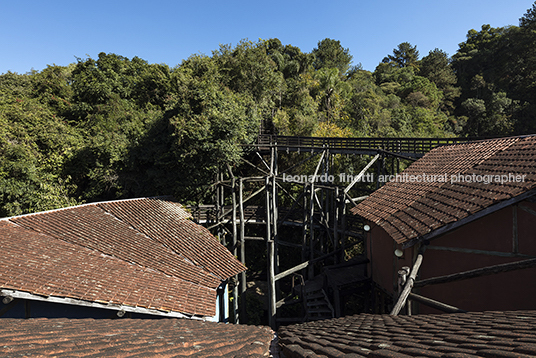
(290, 271)
(257, 238)
(263, 161)
(358, 177)
(396, 155)
(484, 271)
(354, 200)
(435, 304)
(527, 209)
(478, 252)
(307, 263)
(254, 166)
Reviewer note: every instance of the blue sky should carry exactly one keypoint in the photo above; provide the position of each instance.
(34, 34)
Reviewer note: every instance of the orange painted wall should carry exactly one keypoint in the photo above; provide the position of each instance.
(504, 291)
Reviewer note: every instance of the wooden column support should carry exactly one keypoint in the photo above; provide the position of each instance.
(409, 285)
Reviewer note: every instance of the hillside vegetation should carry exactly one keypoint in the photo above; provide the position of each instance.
(114, 127)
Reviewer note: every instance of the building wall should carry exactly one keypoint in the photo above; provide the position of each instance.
(384, 265)
(503, 236)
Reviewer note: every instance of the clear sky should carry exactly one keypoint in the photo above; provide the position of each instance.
(34, 34)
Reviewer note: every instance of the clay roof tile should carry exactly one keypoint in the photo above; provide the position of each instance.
(139, 253)
(479, 175)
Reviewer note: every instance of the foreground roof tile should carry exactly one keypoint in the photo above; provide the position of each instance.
(131, 338)
(473, 335)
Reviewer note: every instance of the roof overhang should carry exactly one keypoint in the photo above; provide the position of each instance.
(479, 214)
(121, 309)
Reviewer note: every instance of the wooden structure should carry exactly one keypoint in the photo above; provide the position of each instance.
(320, 210)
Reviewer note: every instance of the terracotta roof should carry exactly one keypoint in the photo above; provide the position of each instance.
(61, 337)
(408, 209)
(465, 335)
(133, 253)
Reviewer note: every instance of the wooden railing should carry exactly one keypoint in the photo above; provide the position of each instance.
(418, 146)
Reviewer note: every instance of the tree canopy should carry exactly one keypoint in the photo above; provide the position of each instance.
(112, 127)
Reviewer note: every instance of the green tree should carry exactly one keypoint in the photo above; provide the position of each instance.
(330, 54)
(201, 133)
(331, 92)
(436, 67)
(528, 21)
(290, 60)
(34, 145)
(496, 66)
(115, 102)
(404, 55)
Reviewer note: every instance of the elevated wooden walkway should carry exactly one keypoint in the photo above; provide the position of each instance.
(409, 147)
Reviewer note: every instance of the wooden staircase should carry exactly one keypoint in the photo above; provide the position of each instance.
(316, 302)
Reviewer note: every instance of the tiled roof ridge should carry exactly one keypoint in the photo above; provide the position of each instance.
(521, 136)
(96, 203)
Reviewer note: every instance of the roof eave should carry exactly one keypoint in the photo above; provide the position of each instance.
(115, 307)
(479, 214)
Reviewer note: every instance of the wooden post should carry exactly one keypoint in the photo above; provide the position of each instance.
(218, 208)
(311, 271)
(402, 278)
(243, 281)
(335, 198)
(270, 247)
(275, 235)
(236, 317)
(407, 288)
(304, 227)
(222, 206)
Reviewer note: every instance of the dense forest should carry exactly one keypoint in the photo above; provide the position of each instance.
(113, 127)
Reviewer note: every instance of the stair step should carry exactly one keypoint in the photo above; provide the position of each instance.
(315, 296)
(317, 303)
(312, 307)
(327, 311)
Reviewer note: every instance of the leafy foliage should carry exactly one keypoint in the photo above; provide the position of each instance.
(114, 127)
